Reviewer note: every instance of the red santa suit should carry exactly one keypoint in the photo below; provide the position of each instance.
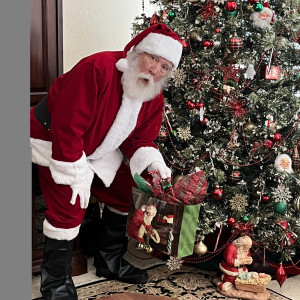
(230, 266)
(92, 123)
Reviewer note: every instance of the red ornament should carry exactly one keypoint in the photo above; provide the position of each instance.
(281, 275)
(277, 137)
(235, 44)
(256, 145)
(268, 144)
(217, 30)
(230, 6)
(183, 43)
(231, 221)
(162, 136)
(265, 198)
(204, 121)
(208, 44)
(190, 105)
(217, 193)
(154, 19)
(253, 2)
(199, 105)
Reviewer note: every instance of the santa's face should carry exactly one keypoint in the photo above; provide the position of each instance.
(155, 65)
(263, 18)
(140, 82)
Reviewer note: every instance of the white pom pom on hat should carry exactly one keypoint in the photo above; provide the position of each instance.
(159, 40)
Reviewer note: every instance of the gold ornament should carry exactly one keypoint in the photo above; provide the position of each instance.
(200, 248)
(297, 203)
(177, 178)
(249, 125)
(195, 36)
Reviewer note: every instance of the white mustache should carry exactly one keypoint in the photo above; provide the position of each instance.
(145, 76)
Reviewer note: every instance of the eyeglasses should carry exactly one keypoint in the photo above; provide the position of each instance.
(154, 61)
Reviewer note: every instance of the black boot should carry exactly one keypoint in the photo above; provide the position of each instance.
(109, 261)
(56, 280)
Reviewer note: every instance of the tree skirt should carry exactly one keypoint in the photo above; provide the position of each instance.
(188, 283)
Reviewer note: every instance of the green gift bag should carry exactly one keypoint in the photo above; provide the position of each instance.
(166, 227)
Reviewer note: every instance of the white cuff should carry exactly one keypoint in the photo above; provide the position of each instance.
(144, 157)
(59, 233)
(68, 172)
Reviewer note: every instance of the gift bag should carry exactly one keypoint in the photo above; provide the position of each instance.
(163, 226)
(165, 217)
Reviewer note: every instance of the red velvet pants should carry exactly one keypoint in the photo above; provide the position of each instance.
(61, 214)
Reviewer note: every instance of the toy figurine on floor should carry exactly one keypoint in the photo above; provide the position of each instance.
(236, 281)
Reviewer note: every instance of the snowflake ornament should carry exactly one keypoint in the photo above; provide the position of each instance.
(184, 133)
(239, 202)
(281, 193)
(178, 77)
(174, 263)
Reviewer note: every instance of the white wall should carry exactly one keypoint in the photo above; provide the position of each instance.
(91, 26)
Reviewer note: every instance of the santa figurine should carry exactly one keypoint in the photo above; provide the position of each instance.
(263, 19)
(283, 163)
(235, 258)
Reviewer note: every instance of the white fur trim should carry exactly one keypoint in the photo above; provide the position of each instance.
(161, 45)
(68, 172)
(227, 272)
(122, 64)
(59, 233)
(41, 152)
(144, 157)
(107, 167)
(123, 125)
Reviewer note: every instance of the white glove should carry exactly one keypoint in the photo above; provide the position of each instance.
(162, 169)
(83, 189)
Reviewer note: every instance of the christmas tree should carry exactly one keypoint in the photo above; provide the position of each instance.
(233, 110)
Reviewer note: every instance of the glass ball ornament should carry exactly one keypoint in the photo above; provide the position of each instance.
(235, 43)
(249, 125)
(231, 221)
(171, 15)
(252, 2)
(280, 207)
(234, 176)
(217, 193)
(265, 198)
(258, 7)
(200, 248)
(297, 203)
(277, 137)
(230, 6)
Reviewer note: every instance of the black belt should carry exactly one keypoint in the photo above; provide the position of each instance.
(41, 113)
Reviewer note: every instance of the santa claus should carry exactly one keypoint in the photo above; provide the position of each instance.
(235, 258)
(106, 110)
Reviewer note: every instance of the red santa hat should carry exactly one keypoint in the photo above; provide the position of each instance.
(158, 40)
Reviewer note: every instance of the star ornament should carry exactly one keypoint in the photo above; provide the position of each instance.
(230, 72)
(237, 107)
(207, 11)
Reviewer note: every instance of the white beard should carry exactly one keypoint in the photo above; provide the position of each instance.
(138, 85)
(262, 22)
